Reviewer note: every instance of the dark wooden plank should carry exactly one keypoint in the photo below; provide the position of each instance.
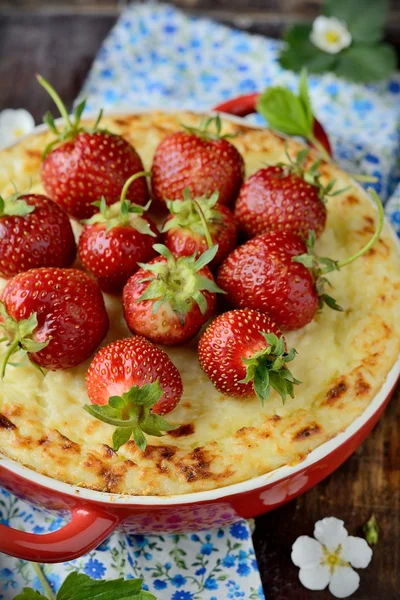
(62, 48)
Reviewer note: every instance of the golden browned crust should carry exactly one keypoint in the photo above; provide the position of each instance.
(343, 359)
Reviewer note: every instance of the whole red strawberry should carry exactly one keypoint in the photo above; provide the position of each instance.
(283, 197)
(243, 353)
(34, 232)
(130, 383)
(82, 164)
(262, 275)
(57, 316)
(115, 240)
(168, 300)
(202, 160)
(196, 224)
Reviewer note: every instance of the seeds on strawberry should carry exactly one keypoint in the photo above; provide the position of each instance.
(116, 239)
(186, 233)
(202, 160)
(130, 383)
(243, 353)
(56, 316)
(287, 196)
(261, 275)
(34, 232)
(271, 200)
(168, 300)
(84, 164)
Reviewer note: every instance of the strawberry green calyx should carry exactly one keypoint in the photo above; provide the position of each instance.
(197, 214)
(210, 128)
(178, 282)
(311, 175)
(320, 266)
(123, 213)
(131, 415)
(267, 369)
(14, 206)
(19, 334)
(72, 125)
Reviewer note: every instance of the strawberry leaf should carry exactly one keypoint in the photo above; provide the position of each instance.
(78, 586)
(365, 18)
(131, 415)
(14, 206)
(285, 112)
(30, 594)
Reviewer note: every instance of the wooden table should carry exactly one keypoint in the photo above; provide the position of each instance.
(62, 48)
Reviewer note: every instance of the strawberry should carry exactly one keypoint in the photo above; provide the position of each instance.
(130, 383)
(280, 274)
(285, 196)
(261, 275)
(243, 353)
(56, 316)
(168, 300)
(116, 239)
(201, 160)
(34, 232)
(195, 225)
(84, 164)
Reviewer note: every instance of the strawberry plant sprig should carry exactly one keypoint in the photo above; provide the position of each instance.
(345, 39)
(78, 586)
(321, 266)
(292, 114)
(71, 127)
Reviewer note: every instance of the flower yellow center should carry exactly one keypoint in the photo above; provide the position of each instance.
(332, 37)
(18, 132)
(332, 560)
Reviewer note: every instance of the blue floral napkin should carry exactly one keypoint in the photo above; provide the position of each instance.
(158, 57)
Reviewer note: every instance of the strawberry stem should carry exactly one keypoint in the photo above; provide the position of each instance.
(129, 182)
(56, 99)
(42, 578)
(12, 349)
(373, 240)
(203, 220)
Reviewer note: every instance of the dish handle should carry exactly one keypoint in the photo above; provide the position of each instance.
(86, 530)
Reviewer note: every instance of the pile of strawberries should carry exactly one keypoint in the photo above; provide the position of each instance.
(170, 277)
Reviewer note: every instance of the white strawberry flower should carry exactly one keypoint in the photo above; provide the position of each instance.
(330, 34)
(328, 559)
(14, 124)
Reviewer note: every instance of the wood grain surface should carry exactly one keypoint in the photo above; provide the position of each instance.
(62, 47)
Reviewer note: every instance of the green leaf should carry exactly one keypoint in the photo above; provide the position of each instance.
(28, 326)
(285, 112)
(153, 424)
(295, 58)
(201, 302)
(261, 383)
(365, 19)
(146, 395)
(361, 63)
(297, 34)
(120, 436)
(304, 97)
(30, 594)
(81, 587)
(206, 257)
(139, 438)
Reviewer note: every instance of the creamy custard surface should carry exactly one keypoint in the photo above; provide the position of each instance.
(343, 358)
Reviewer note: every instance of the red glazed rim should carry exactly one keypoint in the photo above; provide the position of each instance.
(219, 493)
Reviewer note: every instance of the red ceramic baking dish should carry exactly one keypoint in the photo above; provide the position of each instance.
(92, 516)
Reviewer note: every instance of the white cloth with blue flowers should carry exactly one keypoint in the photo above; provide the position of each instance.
(158, 57)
